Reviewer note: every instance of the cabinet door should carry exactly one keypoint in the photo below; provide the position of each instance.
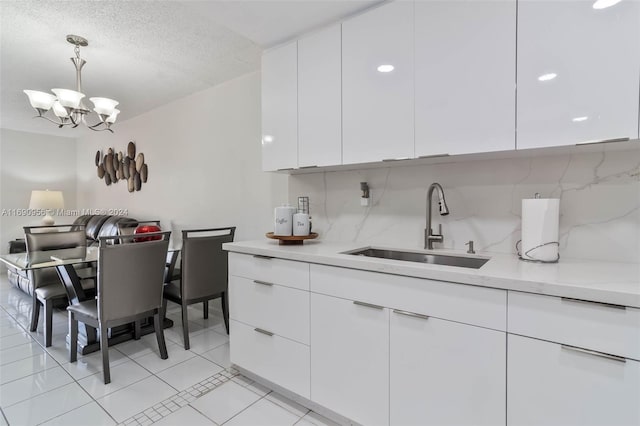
(378, 106)
(320, 99)
(549, 384)
(577, 72)
(350, 359)
(280, 108)
(446, 373)
(465, 71)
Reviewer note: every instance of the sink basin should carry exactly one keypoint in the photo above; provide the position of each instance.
(409, 256)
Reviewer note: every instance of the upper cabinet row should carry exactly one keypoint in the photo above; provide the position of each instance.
(418, 79)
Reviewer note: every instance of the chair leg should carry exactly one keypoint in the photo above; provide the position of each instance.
(162, 345)
(137, 332)
(73, 337)
(185, 326)
(48, 322)
(205, 309)
(35, 314)
(104, 348)
(225, 309)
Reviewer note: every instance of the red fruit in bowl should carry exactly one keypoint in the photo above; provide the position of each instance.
(145, 229)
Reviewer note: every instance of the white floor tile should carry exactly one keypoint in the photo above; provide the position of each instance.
(190, 372)
(26, 367)
(47, 406)
(136, 348)
(27, 387)
(219, 355)
(225, 401)
(10, 327)
(91, 364)
(258, 388)
(122, 375)
(264, 413)
(206, 341)
(185, 416)
(15, 340)
(90, 413)
(152, 361)
(17, 353)
(287, 404)
(133, 399)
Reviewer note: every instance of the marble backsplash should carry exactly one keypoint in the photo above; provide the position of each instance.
(599, 203)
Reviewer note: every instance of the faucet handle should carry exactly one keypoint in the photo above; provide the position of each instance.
(470, 244)
(440, 229)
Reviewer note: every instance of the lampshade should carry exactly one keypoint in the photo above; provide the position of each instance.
(59, 110)
(104, 106)
(112, 118)
(46, 200)
(68, 98)
(40, 100)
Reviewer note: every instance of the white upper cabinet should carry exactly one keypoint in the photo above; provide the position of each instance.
(320, 99)
(465, 71)
(578, 71)
(280, 108)
(377, 78)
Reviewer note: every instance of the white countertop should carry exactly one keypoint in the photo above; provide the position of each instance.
(607, 282)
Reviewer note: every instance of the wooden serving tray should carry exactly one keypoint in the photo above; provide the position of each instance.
(290, 240)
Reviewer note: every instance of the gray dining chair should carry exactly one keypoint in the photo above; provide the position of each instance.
(130, 281)
(46, 287)
(203, 273)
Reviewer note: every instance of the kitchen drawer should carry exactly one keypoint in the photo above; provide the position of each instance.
(274, 358)
(604, 328)
(281, 310)
(276, 271)
(484, 307)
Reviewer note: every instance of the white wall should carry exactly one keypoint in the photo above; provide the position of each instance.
(204, 159)
(599, 203)
(31, 161)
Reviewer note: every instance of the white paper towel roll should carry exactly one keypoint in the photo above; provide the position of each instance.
(540, 218)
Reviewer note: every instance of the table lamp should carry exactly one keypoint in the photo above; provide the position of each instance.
(46, 200)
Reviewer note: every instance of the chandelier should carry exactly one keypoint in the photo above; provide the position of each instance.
(67, 105)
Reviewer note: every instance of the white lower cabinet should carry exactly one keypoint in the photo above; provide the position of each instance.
(350, 358)
(273, 357)
(552, 384)
(445, 373)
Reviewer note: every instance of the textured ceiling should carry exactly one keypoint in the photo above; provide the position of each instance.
(142, 53)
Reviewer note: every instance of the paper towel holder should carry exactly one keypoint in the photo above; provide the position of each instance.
(534, 248)
(527, 253)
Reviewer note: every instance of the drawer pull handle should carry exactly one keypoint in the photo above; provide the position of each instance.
(259, 256)
(262, 282)
(268, 333)
(367, 305)
(626, 139)
(595, 353)
(588, 302)
(410, 314)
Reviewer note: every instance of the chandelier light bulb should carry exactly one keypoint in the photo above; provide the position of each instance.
(67, 104)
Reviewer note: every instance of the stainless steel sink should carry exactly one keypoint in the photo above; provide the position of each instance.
(409, 256)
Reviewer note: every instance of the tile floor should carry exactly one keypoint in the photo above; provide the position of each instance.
(196, 387)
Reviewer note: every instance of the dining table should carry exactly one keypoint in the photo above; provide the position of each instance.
(67, 261)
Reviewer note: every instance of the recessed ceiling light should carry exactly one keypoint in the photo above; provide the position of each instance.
(603, 4)
(579, 119)
(547, 77)
(267, 139)
(385, 68)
